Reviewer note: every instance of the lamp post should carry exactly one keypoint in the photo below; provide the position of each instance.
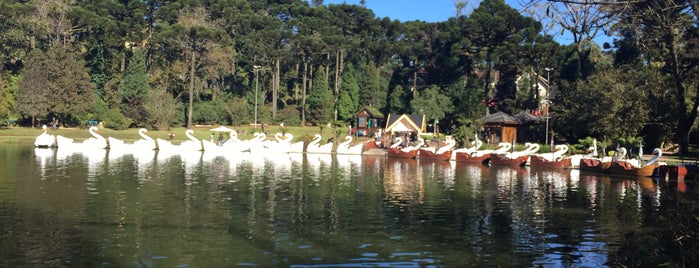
(546, 102)
(257, 68)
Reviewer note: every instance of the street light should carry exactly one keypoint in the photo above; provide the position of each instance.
(257, 68)
(546, 102)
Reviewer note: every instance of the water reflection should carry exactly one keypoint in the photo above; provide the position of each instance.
(222, 210)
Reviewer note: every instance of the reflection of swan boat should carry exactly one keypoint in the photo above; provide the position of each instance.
(443, 153)
(45, 139)
(348, 162)
(407, 152)
(43, 156)
(94, 159)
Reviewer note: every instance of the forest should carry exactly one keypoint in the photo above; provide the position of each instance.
(158, 64)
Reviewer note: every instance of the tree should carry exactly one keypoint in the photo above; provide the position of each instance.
(667, 35)
(396, 101)
(371, 92)
(135, 88)
(432, 104)
(493, 25)
(348, 101)
(607, 108)
(320, 100)
(7, 103)
(72, 91)
(161, 108)
(56, 81)
(33, 90)
(195, 34)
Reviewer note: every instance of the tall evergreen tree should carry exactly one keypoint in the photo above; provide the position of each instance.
(320, 99)
(135, 88)
(33, 90)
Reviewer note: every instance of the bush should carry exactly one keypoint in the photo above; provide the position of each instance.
(209, 113)
(290, 116)
(114, 119)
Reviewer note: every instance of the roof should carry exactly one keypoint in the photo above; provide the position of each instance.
(405, 123)
(373, 112)
(500, 118)
(527, 118)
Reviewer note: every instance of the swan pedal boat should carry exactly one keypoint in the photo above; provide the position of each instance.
(346, 148)
(519, 158)
(555, 159)
(630, 168)
(472, 154)
(635, 169)
(444, 153)
(45, 139)
(407, 152)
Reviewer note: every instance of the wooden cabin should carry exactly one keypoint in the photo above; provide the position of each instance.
(368, 122)
(500, 127)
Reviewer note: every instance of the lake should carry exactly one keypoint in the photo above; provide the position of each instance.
(155, 209)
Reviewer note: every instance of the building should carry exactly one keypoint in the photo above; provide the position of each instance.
(500, 127)
(368, 122)
(410, 126)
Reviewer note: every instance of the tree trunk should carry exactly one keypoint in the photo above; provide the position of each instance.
(303, 87)
(191, 89)
(275, 88)
(296, 85)
(414, 89)
(486, 77)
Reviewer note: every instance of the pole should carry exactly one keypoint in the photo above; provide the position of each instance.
(257, 68)
(546, 101)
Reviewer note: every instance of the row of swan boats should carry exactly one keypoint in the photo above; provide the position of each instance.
(282, 143)
(504, 154)
(558, 158)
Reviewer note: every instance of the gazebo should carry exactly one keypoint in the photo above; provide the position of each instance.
(412, 125)
(529, 125)
(500, 127)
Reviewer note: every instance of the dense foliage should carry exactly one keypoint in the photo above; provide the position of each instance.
(163, 63)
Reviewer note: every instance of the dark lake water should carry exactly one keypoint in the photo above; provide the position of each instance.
(148, 209)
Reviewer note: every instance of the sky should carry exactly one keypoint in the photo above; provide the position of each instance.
(407, 10)
(431, 11)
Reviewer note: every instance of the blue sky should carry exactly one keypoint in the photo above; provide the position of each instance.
(430, 11)
(407, 10)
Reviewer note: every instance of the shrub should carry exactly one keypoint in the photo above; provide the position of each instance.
(114, 119)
